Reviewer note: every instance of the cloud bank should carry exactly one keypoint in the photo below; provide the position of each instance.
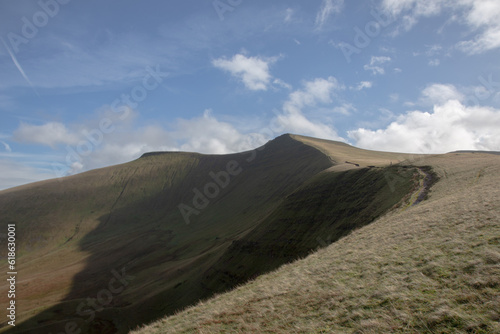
(450, 126)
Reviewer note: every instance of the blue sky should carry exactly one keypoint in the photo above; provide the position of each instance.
(88, 84)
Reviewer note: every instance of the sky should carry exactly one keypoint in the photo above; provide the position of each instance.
(89, 84)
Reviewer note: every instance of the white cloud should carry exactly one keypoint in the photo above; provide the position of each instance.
(296, 122)
(434, 62)
(489, 40)
(481, 16)
(440, 93)
(319, 90)
(92, 144)
(289, 14)
(314, 93)
(376, 63)
(344, 109)
(450, 126)
(6, 146)
(50, 134)
(484, 15)
(362, 85)
(252, 71)
(206, 134)
(328, 8)
(418, 7)
(126, 144)
(281, 83)
(433, 50)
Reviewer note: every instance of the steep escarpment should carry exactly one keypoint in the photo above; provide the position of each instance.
(323, 210)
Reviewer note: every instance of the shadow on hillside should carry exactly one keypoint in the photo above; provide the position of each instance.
(145, 262)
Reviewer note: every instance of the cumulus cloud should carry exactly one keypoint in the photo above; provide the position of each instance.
(435, 94)
(328, 8)
(206, 134)
(481, 16)
(316, 92)
(449, 127)
(50, 134)
(376, 64)
(252, 71)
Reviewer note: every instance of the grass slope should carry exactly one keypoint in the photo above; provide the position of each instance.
(429, 268)
(326, 208)
(76, 234)
(345, 157)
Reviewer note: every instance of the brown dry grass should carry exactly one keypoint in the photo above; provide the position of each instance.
(431, 268)
(339, 153)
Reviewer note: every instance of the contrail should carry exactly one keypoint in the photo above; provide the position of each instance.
(7, 146)
(14, 59)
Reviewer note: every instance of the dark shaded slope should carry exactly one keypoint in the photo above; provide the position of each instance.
(322, 211)
(141, 232)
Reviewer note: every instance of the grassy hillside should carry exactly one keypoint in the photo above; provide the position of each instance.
(433, 267)
(78, 237)
(107, 250)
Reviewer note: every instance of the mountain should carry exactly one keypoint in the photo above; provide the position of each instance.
(433, 267)
(111, 249)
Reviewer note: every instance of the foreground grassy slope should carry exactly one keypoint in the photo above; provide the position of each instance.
(431, 268)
